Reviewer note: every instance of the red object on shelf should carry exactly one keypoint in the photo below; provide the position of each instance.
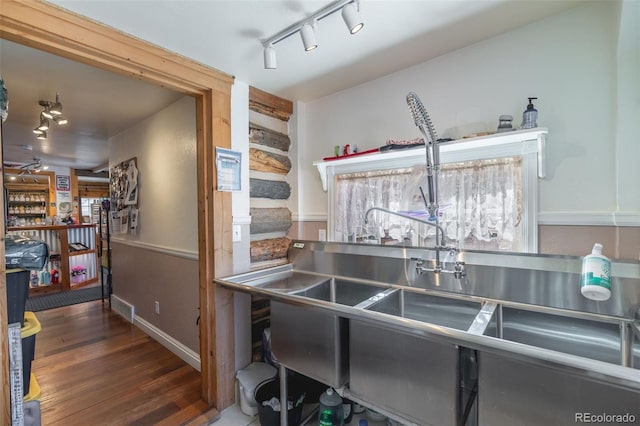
(351, 155)
(55, 276)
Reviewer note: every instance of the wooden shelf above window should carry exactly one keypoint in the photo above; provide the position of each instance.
(506, 144)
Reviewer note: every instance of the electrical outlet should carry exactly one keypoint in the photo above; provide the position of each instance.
(237, 233)
(322, 234)
(157, 307)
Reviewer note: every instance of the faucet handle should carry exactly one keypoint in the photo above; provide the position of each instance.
(459, 270)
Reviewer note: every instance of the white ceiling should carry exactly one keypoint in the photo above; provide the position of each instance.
(227, 35)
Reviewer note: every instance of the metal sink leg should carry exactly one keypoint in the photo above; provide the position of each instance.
(283, 397)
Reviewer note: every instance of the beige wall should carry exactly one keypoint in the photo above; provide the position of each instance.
(142, 276)
(618, 242)
(160, 263)
(306, 230)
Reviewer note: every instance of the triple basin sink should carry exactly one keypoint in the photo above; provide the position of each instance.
(431, 350)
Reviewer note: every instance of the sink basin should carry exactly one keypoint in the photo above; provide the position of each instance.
(576, 336)
(288, 282)
(444, 311)
(341, 291)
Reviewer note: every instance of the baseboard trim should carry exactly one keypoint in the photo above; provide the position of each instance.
(183, 352)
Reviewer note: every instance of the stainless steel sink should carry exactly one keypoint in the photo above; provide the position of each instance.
(288, 282)
(444, 311)
(575, 336)
(344, 292)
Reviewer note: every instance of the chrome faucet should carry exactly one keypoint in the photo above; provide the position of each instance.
(422, 120)
(458, 271)
(406, 216)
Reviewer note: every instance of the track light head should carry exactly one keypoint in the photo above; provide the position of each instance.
(352, 18)
(308, 37)
(42, 136)
(37, 131)
(44, 124)
(60, 120)
(270, 62)
(56, 108)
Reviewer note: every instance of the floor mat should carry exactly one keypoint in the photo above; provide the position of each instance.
(64, 298)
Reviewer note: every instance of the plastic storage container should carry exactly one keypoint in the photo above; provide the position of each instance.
(248, 379)
(17, 293)
(268, 391)
(28, 335)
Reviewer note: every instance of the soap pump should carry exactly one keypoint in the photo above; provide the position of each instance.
(530, 116)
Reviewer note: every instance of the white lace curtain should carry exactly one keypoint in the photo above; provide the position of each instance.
(480, 205)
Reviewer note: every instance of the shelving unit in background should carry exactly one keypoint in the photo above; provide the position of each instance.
(62, 257)
(28, 206)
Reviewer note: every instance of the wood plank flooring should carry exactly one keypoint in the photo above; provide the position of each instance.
(94, 368)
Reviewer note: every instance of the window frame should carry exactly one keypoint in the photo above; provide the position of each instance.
(528, 144)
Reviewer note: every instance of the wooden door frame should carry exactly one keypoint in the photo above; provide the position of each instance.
(44, 26)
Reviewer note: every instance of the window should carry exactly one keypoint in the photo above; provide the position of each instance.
(487, 194)
(86, 203)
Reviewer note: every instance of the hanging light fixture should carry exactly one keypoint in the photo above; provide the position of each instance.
(51, 111)
(306, 27)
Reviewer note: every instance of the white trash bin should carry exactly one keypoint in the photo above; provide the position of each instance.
(248, 379)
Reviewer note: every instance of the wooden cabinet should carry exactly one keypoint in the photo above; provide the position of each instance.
(73, 256)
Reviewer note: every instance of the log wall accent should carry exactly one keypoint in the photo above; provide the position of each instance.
(270, 220)
(268, 104)
(272, 139)
(272, 189)
(271, 249)
(268, 155)
(264, 161)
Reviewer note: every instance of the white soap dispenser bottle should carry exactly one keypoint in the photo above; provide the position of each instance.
(595, 282)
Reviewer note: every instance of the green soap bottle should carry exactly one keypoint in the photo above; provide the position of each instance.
(330, 412)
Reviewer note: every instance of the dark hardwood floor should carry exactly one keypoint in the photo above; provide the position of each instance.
(94, 368)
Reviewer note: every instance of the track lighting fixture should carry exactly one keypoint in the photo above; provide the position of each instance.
(351, 18)
(51, 111)
(308, 37)
(270, 62)
(56, 108)
(350, 9)
(47, 111)
(44, 124)
(61, 121)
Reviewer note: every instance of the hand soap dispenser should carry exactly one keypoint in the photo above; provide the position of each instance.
(530, 116)
(595, 282)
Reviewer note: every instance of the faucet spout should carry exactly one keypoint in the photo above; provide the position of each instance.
(406, 216)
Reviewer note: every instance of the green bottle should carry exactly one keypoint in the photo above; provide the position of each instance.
(330, 412)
